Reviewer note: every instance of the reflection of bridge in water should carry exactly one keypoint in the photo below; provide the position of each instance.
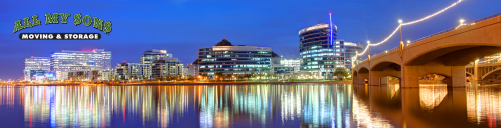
(445, 53)
(432, 105)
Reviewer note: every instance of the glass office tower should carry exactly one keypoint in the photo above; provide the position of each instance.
(351, 50)
(80, 61)
(153, 54)
(230, 59)
(318, 50)
(133, 71)
(165, 67)
(35, 68)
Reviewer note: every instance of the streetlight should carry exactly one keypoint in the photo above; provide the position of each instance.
(461, 21)
(400, 27)
(368, 48)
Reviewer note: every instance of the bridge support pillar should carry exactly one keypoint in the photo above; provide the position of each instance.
(354, 80)
(476, 72)
(410, 77)
(458, 74)
(361, 78)
(383, 80)
(376, 78)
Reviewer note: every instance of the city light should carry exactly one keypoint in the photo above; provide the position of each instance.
(461, 23)
(330, 21)
(488, 59)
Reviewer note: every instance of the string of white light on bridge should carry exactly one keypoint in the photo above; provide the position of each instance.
(408, 23)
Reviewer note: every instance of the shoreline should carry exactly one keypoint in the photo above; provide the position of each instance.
(232, 83)
(192, 83)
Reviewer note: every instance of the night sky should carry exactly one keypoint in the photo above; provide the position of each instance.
(183, 26)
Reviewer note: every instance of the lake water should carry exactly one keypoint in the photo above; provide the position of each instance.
(296, 105)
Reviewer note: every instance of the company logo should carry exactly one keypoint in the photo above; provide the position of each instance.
(62, 18)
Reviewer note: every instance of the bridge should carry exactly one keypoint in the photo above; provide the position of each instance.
(484, 72)
(445, 53)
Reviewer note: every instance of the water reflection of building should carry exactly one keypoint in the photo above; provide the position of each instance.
(7, 97)
(325, 106)
(218, 103)
(67, 106)
(171, 101)
(214, 106)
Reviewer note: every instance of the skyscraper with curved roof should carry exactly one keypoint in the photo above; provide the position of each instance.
(318, 50)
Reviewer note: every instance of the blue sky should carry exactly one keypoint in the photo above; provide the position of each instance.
(183, 26)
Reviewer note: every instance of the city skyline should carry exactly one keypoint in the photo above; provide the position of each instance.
(271, 28)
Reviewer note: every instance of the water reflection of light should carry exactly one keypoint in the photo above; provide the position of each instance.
(484, 104)
(393, 89)
(430, 96)
(313, 105)
(7, 96)
(317, 105)
(172, 101)
(365, 118)
(66, 106)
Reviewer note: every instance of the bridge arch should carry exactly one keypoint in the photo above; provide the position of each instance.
(442, 79)
(354, 75)
(454, 55)
(490, 74)
(362, 75)
(448, 60)
(468, 73)
(381, 70)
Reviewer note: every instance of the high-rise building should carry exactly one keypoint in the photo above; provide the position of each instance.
(180, 70)
(284, 70)
(192, 69)
(133, 71)
(164, 67)
(79, 63)
(351, 50)
(317, 49)
(35, 68)
(153, 54)
(291, 62)
(229, 59)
